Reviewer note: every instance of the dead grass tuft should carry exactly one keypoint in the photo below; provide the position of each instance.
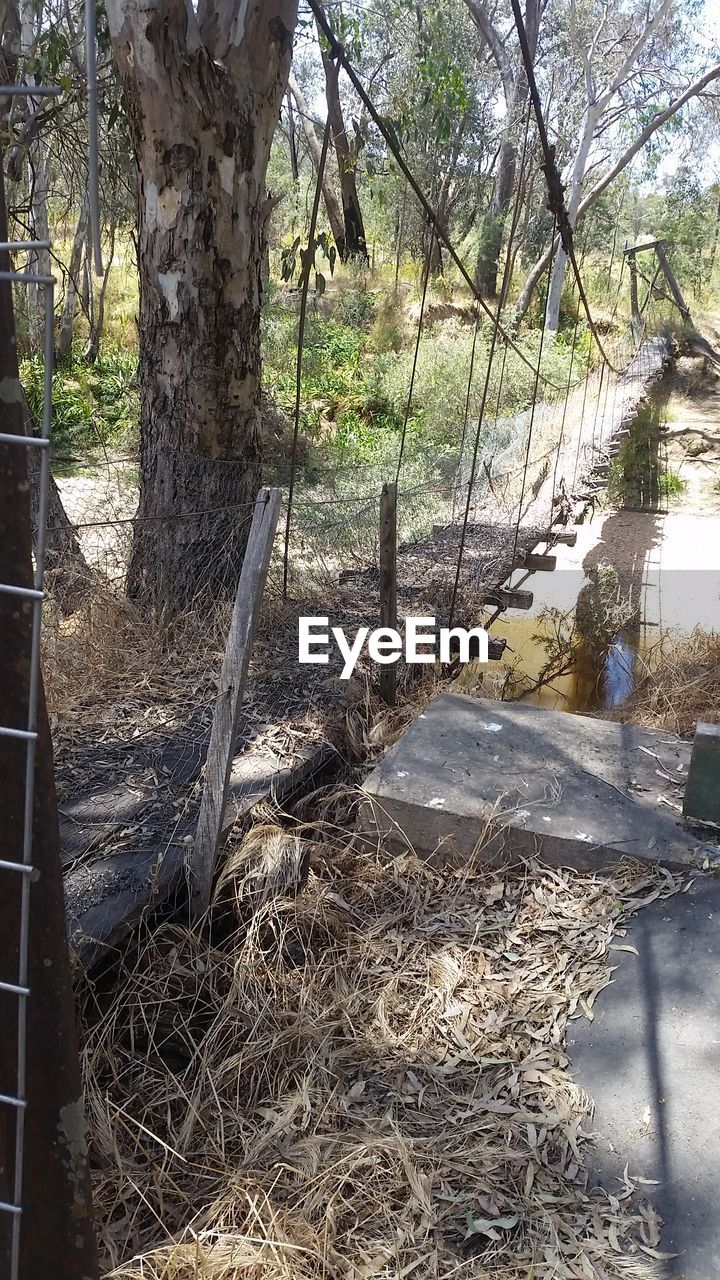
(108, 647)
(367, 1080)
(679, 686)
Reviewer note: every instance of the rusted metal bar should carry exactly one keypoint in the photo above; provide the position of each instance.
(387, 682)
(46, 1227)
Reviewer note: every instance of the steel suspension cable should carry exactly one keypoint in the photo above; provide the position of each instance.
(567, 392)
(496, 330)
(532, 410)
(504, 290)
(556, 194)
(426, 277)
(338, 51)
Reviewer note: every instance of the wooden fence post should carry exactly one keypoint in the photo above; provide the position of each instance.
(200, 861)
(388, 583)
(672, 281)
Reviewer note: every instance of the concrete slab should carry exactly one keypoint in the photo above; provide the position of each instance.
(650, 1059)
(574, 790)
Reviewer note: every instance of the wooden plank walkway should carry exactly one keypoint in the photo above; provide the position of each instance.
(590, 441)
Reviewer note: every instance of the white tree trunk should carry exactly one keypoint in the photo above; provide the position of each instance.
(557, 277)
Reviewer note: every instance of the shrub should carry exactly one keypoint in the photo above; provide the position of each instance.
(92, 404)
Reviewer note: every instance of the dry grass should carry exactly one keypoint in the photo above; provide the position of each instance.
(364, 1080)
(680, 686)
(110, 649)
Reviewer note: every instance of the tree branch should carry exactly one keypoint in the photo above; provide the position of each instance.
(656, 123)
(484, 24)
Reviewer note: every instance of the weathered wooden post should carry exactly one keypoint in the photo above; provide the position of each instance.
(672, 281)
(388, 583)
(200, 861)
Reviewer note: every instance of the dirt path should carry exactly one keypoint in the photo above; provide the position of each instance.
(693, 436)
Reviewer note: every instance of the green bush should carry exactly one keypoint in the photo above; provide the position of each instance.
(440, 390)
(94, 405)
(354, 308)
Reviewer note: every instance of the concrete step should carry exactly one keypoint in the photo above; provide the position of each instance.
(510, 777)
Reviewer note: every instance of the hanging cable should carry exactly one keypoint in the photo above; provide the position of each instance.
(496, 331)
(567, 395)
(507, 272)
(532, 409)
(426, 277)
(556, 191)
(337, 50)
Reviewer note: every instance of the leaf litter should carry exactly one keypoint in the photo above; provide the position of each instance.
(362, 1077)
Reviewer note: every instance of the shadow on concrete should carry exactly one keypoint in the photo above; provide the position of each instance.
(651, 1062)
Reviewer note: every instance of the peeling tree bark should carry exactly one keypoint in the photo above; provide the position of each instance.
(203, 91)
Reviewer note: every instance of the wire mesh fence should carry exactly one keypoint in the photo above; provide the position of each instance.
(31, 597)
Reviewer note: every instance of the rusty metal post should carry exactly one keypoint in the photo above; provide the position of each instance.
(46, 1227)
(388, 583)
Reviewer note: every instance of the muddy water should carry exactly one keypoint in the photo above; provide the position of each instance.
(597, 681)
(594, 683)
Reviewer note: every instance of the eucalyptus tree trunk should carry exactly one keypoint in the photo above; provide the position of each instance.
(355, 245)
(515, 88)
(203, 90)
(493, 223)
(96, 305)
(574, 195)
(63, 345)
(332, 204)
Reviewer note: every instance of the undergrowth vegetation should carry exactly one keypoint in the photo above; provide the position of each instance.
(357, 370)
(357, 412)
(95, 405)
